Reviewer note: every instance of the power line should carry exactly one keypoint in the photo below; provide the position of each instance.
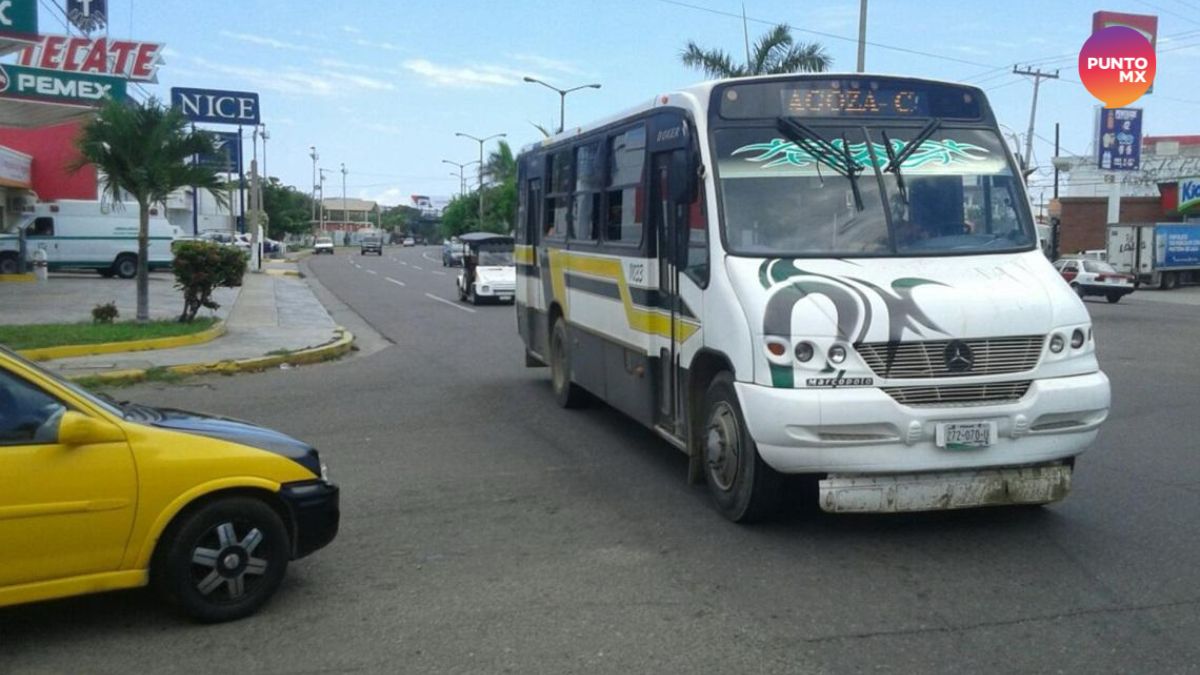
(832, 36)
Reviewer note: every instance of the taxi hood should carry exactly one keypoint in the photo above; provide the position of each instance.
(904, 299)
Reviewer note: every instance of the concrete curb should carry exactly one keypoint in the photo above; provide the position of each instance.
(282, 273)
(70, 351)
(18, 278)
(326, 352)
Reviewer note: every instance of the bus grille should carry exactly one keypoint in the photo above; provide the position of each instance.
(990, 356)
(960, 394)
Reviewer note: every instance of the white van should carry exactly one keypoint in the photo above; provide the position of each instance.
(83, 235)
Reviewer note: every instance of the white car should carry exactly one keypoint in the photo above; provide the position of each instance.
(1095, 277)
(323, 245)
(409, 241)
(489, 271)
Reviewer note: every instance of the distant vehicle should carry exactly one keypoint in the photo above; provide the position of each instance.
(371, 244)
(409, 241)
(489, 272)
(323, 245)
(82, 235)
(452, 253)
(1159, 254)
(1095, 277)
(101, 496)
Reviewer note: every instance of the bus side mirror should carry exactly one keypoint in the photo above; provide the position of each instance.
(681, 178)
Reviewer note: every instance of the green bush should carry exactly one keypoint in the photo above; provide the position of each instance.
(105, 313)
(200, 268)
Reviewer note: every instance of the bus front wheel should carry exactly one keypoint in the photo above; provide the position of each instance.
(743, 487)
(567, 393)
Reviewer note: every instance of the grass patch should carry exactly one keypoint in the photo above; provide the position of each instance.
(36, 336)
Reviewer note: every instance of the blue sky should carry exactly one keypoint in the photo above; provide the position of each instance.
(383, 86)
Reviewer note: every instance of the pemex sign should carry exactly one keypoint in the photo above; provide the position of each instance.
(48, 86)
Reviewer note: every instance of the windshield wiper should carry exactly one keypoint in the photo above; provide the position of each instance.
(820, 149)
(896, 159)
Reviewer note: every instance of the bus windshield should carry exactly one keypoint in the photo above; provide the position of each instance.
(955, 193)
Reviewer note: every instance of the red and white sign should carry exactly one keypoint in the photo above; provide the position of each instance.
(99, 56)
(16, 169)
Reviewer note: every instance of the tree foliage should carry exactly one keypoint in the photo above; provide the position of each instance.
(775, 53)
(143, 150)
(499, 198)
(201, 267)
(289, 211)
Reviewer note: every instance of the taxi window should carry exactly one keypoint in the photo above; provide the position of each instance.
(28, 415)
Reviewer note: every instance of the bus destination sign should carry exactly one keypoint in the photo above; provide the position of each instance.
(830, 102)
(849, 98)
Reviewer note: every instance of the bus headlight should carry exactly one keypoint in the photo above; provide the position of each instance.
(1057, 342)
(804, 352)
(837, 354)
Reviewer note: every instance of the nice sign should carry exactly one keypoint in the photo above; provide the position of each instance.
(1117, 65)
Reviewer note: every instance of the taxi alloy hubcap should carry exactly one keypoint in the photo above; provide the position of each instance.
(231, 562)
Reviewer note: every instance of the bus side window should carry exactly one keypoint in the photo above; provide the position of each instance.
(533, 201)
(42, 227)
(558, 195)
(588, 184)
(626, 186)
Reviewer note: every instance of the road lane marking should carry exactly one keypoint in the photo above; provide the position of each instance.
(425, 255)
(372, 272)
(401, 262)
(398, 283)
(455, 305)
(418, 268)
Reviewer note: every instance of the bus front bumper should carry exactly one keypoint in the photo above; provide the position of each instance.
(859, 431)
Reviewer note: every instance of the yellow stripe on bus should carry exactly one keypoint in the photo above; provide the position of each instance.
(641, 320)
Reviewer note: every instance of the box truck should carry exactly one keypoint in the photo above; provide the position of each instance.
(86, 235)
(1157, 254)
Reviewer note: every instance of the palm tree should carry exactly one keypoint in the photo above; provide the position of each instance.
(501, 167)
(142, 150)
(775, 53)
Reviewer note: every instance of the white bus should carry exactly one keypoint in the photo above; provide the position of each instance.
(834, 275)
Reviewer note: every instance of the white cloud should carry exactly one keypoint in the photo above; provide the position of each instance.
(364, 82)
(390, 129)
(545, 63)
(264, 41)
(283, 81)
(387, 46)
(467, 76)
(351, 29)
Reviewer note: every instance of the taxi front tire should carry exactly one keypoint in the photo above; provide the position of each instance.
(223, 560)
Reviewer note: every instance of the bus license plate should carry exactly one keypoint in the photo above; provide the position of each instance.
(965, 436)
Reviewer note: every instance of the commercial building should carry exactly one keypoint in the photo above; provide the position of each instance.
(350, 215)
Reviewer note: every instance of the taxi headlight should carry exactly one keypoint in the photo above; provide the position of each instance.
(1077, 339)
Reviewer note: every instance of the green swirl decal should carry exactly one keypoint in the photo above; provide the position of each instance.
(947, 152)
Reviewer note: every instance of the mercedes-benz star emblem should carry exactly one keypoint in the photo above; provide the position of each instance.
(959, 357)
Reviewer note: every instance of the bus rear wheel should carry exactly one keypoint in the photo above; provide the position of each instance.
(742, 486)
(567, 393)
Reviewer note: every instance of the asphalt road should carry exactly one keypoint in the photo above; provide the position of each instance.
(486, 530)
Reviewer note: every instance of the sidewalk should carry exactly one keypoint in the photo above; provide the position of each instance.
(273, 314)
(67, 298)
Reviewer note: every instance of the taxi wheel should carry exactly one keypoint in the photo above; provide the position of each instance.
(224, 560)
(742, 486)
(1079, 291)
(1114, 298)
(566, 393)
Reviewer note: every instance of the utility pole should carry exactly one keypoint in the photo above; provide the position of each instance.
(323, 172)
(345, 216)
(746, 34)
(1037, 76)
(862, 36)
(480, 141)
(315, 157)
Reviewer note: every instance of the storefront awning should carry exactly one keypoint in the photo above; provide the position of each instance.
(28, 114)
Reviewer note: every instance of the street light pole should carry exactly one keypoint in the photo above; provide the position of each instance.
(862, 36)
(480, 141)
(562, 98)
(323, 172)
(462, 181)
(345, 216)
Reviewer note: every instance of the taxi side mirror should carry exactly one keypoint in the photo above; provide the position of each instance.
(76, 429)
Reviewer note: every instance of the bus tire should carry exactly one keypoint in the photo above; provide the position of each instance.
(125, 266)
(744, 489)
(566, 393)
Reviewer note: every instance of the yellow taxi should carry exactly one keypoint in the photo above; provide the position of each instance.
(97, 495)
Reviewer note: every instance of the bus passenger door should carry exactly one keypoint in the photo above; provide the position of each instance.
(667, 222)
